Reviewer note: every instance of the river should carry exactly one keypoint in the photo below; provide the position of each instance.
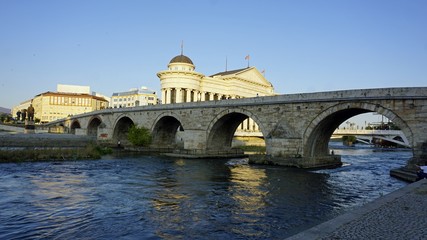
(150, 197)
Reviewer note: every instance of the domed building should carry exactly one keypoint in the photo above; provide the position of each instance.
(181, 83)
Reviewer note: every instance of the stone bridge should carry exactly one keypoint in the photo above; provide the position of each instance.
(296, 127)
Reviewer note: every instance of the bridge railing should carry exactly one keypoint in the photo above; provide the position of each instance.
(366, 132)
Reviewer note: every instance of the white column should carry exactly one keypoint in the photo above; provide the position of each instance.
(188, 99)
(178, 95)
(211, 96)
(251, 124)
(256, 127)
(197, 96)
(203, 96)
(163, 96)
(168, 96)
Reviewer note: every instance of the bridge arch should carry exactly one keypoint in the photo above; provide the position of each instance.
(92, 127)
(317, 134)
(165, 130)
(221, 129)
(121, 128)
(75, 124)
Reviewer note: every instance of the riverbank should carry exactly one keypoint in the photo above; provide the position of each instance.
(18, 147)
(50, 154)
(16, 140)
(398, 215)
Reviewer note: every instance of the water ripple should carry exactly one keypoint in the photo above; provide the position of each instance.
(158, 198)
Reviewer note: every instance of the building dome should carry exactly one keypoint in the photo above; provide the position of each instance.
(181, 59)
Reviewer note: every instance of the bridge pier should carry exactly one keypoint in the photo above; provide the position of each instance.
(288, 152)
(420, 154)
(105, 135)
(80, 131)
(329, 161)
(283, 147)
(194, 139)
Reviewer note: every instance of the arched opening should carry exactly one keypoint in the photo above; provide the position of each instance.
(223, 131)
(92, 128)
(370, 129)
(73, 127)
(249, 136)
(167, 133)
(121, 129)
(317, 140)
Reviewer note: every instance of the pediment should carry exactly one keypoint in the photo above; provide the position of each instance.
(253, 75)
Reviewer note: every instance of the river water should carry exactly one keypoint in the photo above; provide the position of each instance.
(149, 197)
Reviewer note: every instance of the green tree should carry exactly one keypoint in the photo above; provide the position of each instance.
(139, 136)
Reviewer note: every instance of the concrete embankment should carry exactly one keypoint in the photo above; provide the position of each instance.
(42, 140)
(398, 215)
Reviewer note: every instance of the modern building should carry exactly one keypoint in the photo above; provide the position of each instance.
(50, 106)
(181, 83)
(134, 98)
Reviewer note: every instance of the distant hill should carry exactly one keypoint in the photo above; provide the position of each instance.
(4, 110)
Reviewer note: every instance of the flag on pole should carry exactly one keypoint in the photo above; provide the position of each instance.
(247, 58)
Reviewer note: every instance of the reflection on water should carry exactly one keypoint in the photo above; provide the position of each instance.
(158, 198)
(247, 192)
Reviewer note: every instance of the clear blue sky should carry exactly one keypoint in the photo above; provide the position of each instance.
(304, 46)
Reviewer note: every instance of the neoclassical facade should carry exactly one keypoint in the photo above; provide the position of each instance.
(68, 100)
(181, 83)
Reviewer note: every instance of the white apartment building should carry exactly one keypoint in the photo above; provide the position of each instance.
(133, 98)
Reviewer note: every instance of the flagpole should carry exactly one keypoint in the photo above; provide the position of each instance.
(226, 63)
(248, 57)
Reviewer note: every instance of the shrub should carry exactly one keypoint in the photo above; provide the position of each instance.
(139, 136)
